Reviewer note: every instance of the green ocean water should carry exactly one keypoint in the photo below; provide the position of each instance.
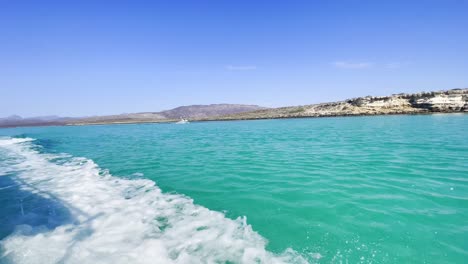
(383, 189)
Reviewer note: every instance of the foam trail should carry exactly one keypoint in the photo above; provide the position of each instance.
(115, 220)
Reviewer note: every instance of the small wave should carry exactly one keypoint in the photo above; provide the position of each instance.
(117, 220)
(5, 141)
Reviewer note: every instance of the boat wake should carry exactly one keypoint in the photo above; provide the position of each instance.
(99, 218)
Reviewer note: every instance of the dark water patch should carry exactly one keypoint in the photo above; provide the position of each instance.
(23, 207)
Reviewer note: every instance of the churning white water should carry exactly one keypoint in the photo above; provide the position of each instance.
(115, 220)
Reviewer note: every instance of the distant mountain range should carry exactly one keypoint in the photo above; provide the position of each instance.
(192, 112)
(15, 120)
(449, 101)
(188, 112)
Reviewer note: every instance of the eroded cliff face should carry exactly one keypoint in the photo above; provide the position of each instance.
(444, 101)
(450, 101)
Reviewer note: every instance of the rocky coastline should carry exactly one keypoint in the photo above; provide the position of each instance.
(448, 101)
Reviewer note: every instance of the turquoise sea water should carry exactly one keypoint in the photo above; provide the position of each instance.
(390, 189)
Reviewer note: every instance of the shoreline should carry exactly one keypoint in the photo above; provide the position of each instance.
(423, 103)
(241, 119)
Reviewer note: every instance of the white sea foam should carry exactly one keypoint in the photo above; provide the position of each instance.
(116, 220)
(5, 141)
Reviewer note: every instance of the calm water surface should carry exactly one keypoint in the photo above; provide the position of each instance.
(390, 189)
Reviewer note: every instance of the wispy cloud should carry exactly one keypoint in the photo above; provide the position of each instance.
(352, 65)
(241, 67)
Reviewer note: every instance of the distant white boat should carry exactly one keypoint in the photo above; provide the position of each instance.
(183, 121)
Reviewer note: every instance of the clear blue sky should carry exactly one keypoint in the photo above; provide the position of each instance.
(75, 58)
